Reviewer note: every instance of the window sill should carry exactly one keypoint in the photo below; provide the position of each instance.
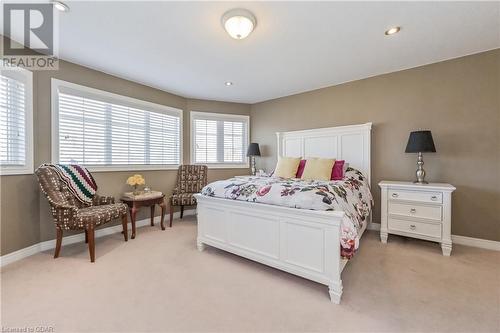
(131, 168)
(157, 167)
(6, 171)
(225, 166)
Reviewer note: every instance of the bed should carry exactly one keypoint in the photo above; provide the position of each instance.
(304, 242)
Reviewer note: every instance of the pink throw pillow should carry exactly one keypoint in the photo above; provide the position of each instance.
(300, 169)
(337, 170)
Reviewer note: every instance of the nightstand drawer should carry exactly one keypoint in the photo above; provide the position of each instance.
(422, 196)
(414, 210)
(418, 228)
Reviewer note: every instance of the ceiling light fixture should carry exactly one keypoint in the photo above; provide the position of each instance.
(60, 6)
(239, 23)
(228, 83)
(392, 31)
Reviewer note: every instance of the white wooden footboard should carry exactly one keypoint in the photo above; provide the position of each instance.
(301, 242)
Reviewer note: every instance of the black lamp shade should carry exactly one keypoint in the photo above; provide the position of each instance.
(420, 142)
(253, 150)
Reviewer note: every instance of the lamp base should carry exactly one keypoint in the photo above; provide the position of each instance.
(420, 173)
(252, 164)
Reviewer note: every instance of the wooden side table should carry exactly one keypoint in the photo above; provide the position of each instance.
(135, 203)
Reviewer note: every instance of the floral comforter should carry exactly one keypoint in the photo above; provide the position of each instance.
(351, 195)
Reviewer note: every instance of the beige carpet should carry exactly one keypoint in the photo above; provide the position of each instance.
(160, 282)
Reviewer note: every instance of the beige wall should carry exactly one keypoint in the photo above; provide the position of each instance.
(25, 215)
(19, 213)
(458, 100)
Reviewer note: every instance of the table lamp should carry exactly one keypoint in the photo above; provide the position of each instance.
(253, 150)
(420, 142)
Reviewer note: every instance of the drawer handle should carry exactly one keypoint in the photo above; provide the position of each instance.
(413, 227)
(413, 210)
(434, 198)
(395, 195)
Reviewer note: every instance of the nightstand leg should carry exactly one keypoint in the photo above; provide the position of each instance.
(383, 237)
(446, 247)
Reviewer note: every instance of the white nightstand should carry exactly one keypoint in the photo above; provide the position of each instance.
(416, 210)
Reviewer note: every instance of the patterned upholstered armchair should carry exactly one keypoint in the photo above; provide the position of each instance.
(190, 180)
(69, 213)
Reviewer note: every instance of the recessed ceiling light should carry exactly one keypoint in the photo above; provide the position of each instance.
(62, 7)
(228, 83)
(239, 23)
(392, 31)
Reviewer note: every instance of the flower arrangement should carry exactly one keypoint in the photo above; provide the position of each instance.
(135, 181)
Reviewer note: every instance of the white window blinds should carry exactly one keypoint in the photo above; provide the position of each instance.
(219, 139)
(99, 131)
(12, 122)
(15, 122)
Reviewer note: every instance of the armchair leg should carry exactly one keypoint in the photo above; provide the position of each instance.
(125, 227)
(58, 242)
(91, 244)
(171, 214)
(86, 237)
(182, 211)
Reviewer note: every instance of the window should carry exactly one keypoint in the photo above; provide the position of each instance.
(16, 122)
(219, 140)
(109, 132)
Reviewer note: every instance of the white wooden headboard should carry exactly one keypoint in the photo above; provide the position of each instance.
(350, 143)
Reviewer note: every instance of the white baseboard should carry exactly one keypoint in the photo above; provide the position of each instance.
(51, 244)
(457, 239)
(476, 242)
(19, 254)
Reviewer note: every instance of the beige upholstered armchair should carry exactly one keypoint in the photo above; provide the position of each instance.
(69, 213)
(190, 180)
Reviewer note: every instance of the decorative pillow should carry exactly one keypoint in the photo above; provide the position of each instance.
(318, 169)
(286, 167)
(300, 169)
(338, 170)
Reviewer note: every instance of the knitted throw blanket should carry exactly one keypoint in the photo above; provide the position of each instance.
(79, 180)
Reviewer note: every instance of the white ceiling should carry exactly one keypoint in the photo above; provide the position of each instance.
(182, 48)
